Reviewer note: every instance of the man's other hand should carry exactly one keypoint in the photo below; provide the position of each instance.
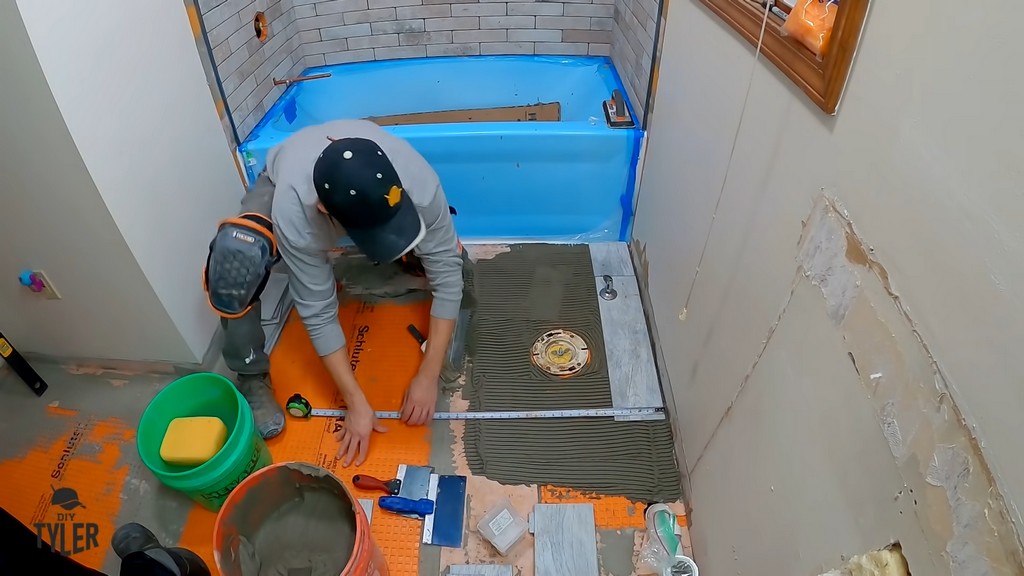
(420, 400)
(360, 423)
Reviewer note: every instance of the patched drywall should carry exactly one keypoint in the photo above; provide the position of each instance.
(958, 501)
(843, 435)
(886, 562)
(892, 341)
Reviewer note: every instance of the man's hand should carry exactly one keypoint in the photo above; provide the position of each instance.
(421, 395)
(360, 423)
(420, 400)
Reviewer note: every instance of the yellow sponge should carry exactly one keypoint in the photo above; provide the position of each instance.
(192, 441)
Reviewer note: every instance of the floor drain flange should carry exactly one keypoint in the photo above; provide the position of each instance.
(560, 352)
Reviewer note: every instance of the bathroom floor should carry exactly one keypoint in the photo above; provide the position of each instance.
(80, 435)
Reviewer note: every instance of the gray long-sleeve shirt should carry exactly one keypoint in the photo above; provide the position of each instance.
(305, 235)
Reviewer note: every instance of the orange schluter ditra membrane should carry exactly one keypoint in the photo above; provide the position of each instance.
(385, 358)
(67, 488)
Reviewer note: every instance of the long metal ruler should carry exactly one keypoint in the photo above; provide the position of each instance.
(651, 413)
(299, 407)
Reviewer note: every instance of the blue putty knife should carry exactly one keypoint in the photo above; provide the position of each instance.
(444, 526)
(405, 506)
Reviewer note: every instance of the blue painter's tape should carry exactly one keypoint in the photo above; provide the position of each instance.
(626, 227)
(626, 201)
(291, 110)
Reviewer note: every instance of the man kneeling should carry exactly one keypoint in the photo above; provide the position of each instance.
(342, 178)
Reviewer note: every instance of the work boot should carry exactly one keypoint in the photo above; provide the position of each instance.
(189, 563)
(138, 548)
(133, 537)
(267, 413)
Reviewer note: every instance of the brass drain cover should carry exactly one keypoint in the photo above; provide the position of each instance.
(560, 352)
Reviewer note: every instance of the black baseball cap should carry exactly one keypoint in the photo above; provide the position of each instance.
(360, 188)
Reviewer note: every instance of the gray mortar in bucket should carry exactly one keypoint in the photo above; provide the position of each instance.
(312, 533)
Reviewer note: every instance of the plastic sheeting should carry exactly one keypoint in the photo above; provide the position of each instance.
(567, 181)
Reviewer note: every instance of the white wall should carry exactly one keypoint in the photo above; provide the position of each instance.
(927, 156)
(53, 218)
(130, 86)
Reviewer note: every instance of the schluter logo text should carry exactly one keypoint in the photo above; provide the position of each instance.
(357, 347)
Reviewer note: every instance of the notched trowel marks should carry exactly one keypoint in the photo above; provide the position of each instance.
(482, 495)
(522, 294)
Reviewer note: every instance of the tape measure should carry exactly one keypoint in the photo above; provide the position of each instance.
(300, 408)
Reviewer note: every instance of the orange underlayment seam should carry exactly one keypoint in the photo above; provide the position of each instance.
(610, 512)
(386, 358)
(83, 458)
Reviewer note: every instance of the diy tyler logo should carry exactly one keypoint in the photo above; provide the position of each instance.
(66, 536)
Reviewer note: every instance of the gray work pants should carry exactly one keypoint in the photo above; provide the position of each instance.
(244, 339)
(244, 342)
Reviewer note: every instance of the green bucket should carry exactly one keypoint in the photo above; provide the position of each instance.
(244, 451)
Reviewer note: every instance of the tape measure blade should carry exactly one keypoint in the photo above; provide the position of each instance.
(633, 413)
(326, 412)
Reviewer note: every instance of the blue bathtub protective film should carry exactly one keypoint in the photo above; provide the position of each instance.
(567, 181)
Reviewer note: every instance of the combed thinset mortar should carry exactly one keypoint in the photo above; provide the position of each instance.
(294, 518)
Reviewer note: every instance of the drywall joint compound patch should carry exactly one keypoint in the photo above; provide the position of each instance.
(824, 263)
(954, 491)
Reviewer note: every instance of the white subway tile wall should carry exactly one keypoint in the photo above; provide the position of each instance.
(248, 67)
(632, 46)
(305, 33)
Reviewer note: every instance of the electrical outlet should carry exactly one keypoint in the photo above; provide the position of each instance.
(49, 290)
